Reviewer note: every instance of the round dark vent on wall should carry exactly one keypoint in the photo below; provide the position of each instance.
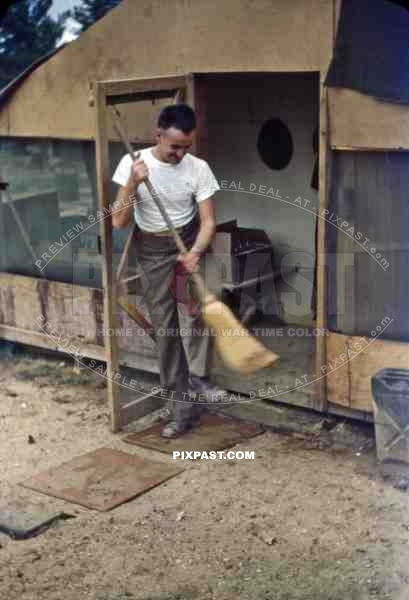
(275, 144)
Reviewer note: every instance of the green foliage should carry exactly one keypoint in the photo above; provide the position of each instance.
(26, 34)
(92, 10)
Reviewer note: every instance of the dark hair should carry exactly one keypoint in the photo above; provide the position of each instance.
(179, 116)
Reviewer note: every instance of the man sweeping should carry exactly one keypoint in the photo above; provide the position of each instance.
(187, 185)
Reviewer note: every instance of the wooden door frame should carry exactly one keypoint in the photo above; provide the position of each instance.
(142, 89)
(320, 401)
(108, 93)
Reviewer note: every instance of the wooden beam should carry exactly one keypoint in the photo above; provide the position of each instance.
(141, 96)
(337, 5)
(141, 407)
(369, 148)
(125, 252)
(200, 103)
(123, 87)
(180, 95)
(232, 287)
(38, 339)
(349, 413)
(190, 98)
(320, 397)
(22, 230)
(110, 321)
(95, 351)
(42, 340)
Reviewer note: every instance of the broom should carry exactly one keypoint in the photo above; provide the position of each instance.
(131, 310)
(237, 348)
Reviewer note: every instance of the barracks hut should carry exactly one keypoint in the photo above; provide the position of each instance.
(303, 114)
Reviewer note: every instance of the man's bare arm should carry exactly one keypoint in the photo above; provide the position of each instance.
(126, 195)
(204, 237)
(207, 226)
(122, 216)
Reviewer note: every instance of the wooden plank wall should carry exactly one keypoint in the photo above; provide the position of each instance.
(349, 381)
(74, 310)
(76, 313)
(370, 193)
(362, 122)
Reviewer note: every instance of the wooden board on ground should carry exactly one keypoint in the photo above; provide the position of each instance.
(349, 383)
(215, 433)
(21, 519)
(102, 479)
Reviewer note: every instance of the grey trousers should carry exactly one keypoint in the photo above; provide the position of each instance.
(184, 343)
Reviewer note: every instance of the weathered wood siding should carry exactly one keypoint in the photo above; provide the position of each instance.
(368, 280)
(360, 121)
(153, 38)
(352, 362)
(30, 309)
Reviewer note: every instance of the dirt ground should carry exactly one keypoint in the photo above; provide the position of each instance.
(310, 518)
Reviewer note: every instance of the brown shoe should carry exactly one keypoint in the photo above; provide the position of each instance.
(208, 391)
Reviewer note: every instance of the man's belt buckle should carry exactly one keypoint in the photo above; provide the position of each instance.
(167, 232)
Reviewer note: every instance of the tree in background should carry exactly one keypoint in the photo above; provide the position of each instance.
(27, 32)
(4, 6)
(92, 10)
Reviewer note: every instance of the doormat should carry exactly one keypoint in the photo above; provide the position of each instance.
(102, 479)
(215, 432)
(21, 519)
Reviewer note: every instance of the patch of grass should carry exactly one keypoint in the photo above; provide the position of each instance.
(54, 374)
(27, 372)
(69, 377)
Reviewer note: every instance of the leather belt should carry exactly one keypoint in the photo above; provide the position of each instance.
(164, 233)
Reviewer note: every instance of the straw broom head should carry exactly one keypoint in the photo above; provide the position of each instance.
(238, 349)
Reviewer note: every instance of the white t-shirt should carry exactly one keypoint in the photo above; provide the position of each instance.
(179, 187)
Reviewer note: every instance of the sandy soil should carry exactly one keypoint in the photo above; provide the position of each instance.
(310, 518)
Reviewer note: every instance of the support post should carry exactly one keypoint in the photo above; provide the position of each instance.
(111, 346)
(320, 396)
